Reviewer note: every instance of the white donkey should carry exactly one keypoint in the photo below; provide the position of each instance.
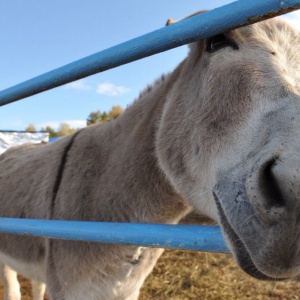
(220, 134)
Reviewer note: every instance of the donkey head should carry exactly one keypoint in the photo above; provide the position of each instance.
(229, 142)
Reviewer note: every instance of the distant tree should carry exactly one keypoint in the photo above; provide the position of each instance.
(115, 112)
(94, 117)
(30, 127)
(52, 132)
(64, 129)
(104, 116)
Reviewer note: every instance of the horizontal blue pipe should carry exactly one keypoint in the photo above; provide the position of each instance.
(189, 237)
(233, 15)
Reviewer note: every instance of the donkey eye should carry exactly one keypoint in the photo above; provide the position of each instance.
(220, 41)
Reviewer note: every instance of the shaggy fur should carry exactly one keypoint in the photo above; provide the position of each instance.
(220, 134)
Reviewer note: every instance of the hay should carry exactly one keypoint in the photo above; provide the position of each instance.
(183, 275)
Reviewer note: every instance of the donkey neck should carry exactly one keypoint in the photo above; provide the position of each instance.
(142, 187)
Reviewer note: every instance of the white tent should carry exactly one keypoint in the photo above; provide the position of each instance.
(13, 138)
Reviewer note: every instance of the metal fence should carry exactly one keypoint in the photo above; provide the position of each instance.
(204, 238)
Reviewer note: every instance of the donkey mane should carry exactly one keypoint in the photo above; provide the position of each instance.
(151, 86)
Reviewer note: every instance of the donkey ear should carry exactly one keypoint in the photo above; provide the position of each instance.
(171, 21)
(196, 46)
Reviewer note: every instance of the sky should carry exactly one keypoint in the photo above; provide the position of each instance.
(39, 36)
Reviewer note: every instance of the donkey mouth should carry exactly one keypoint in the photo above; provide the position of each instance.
(242, 255)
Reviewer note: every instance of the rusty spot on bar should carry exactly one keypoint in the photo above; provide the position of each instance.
(264, 17)
(271, 14)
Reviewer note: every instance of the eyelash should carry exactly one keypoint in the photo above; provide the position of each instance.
(220, 41)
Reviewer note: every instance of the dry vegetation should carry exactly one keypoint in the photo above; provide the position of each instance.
(184, 275)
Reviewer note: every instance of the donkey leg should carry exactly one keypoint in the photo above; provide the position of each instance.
(38, 290)
(10, 283)
(133, 296)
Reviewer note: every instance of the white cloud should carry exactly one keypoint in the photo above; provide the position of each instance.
(56, 124)
(105, 88)
(79, 85)
(293, 18)
(110, 89)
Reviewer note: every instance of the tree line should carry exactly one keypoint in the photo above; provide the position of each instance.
(93, 118)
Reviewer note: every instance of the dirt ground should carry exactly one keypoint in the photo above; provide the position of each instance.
(185, 275)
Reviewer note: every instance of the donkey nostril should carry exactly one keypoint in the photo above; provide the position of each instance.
(270, 187)
(275, 197)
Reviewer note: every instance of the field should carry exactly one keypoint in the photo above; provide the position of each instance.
(185, 275)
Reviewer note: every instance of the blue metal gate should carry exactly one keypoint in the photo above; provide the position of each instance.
(204, 238)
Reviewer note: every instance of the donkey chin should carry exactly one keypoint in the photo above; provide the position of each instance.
(259, 213)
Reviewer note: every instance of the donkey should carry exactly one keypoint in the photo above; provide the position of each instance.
(220, 134)
(12, 287)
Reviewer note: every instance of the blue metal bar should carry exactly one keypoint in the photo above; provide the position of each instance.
(233, 15)
(191, 237)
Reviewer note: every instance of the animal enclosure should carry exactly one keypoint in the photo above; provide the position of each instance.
(234, 15)
(167, 165)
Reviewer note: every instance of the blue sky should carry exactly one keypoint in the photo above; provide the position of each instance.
(38, 36)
